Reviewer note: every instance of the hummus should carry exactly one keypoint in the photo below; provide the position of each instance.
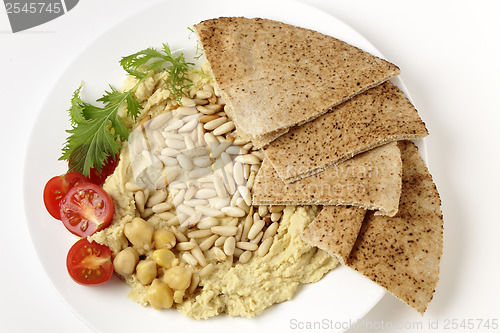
(232, 287)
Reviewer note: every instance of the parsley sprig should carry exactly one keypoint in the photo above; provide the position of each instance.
(97, 132)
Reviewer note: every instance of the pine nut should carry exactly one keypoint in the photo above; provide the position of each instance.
(271, 231)
(229, 246)
(189, 141)
(140, 201)
(220, 241)
(169, 152)
(179, 235)
(247, 159)
(188, 258)
(147, 213)
(174, 221)
(245, 194)
(190, 192)
(224, 128)
(245, 257)
(205, 194)
(199, 256)
(207, 109)
(164, 215)
(209, 211)
(156, 198)
(161, 207)
(185, 162)
(195, 280)
(219, 254)
(255, 229)
(239, 233)
(247, 246)
(184, 209)
(262, 210)
(264, 247)
(189, 126)
(178, 198)
(159, 121)
(208, 223)
(208, 243)
(246, 227)
(257, 238)
(276, 208)
(173, 125)
(196, 202)
(208, 117)
(213, 124)
(175, 144)
(224, 230)
(276, 216)
(184, 246)
(233, 211)
(206, 270)
(202, 161)
(133, 187)
(186, 111)
(200, 233)
(238, 174)
(237, 252)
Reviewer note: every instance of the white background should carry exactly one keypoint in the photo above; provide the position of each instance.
(449, 54)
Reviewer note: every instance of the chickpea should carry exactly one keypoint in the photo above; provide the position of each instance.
(125, 261)
(159, 295)
(146, 271)
(165, 258)
(140, 233)
(179, 296)
(178, 277)
(164, 238)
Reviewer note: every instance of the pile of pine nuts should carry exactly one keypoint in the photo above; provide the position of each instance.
(194, 174)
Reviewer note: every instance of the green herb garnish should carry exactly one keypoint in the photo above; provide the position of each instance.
(97, 132)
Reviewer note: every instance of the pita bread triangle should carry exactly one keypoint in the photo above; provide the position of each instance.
(371, 180)
(335, 230)
(400, 253)
(274, 75)
(375, 117)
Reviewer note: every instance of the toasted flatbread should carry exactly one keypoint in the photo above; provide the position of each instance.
(375, 117)
(335, 230)
(403, 253)
(371, 180)
(274, 75)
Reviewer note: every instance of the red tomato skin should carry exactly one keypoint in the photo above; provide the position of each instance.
(89, 263)
(56, 188)
(86, 209)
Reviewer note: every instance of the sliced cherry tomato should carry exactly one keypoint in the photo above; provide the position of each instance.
(56, 188)
(99, 177)
(86, 208)
(89, 263)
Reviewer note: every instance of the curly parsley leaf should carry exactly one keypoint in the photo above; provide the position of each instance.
(152, 59)
(97, 132)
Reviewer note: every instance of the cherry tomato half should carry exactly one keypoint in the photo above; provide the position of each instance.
(89, 263)
(86, 208)
(56, 188)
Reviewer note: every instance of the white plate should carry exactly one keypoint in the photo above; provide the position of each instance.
(336, 302)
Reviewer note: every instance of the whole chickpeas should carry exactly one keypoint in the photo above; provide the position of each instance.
(146, 271)
(164, 238)
(140, 233)
(159, 295)
(125, 261)
(178, 277)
